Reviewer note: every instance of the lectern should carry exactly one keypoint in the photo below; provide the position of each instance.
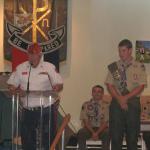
(47, 102)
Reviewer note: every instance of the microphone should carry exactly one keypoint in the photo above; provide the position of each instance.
(31, 63)
(28, 79)
(28, 83)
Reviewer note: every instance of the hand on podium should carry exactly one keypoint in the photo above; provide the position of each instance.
(13, 90)
(57, 87)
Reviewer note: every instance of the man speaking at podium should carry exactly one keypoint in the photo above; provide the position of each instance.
(34, 75)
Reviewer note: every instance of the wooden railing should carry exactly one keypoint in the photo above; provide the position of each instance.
(60, 131)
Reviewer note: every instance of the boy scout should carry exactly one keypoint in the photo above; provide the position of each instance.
(125, 81)
(94, 116)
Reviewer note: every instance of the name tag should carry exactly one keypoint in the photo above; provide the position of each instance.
(24, 73)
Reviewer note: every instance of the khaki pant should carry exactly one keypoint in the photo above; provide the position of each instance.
(84, 134)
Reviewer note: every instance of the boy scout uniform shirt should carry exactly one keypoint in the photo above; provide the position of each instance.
(135, 75)
(94, 112)
(38, 81)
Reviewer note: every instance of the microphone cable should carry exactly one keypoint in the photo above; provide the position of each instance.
(61, 107)
(71, 124)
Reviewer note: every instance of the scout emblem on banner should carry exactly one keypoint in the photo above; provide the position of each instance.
(119, 77)
(42, 21)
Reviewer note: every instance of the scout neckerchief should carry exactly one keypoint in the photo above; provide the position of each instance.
(123, 77)
(95, 104)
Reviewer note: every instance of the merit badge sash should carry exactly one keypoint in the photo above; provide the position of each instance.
(119, 78)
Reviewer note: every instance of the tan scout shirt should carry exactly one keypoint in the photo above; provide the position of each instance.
(95, 112)
(135, 75)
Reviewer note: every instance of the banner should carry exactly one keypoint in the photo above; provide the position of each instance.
(42, 21)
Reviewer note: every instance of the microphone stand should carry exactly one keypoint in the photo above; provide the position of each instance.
(28, 85)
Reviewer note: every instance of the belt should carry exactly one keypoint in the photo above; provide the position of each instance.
(33, 108)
